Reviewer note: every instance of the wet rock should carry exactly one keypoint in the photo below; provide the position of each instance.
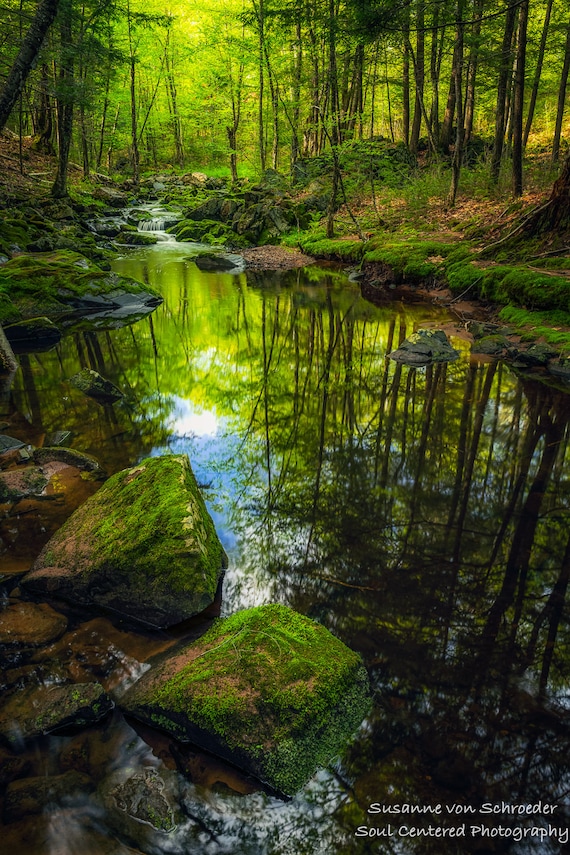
(215, 262)
(77, 459)
(560, 367)
(32, 796)
(9, 443)
(91, 383)
(137, 238)
(266, 689)
(424, 347)
(536, 356)
(144, 545)
(57, 437)
(40, 709)
(12, 766)
(142, 798)
(492, 345)
(112, 197)
(30, 623)
(22, 483)
(35, 335)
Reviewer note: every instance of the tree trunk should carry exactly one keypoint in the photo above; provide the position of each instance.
(406, 80)
(472, 67)
(65, 98)
(44, 123)
(24, 62)
(419, 68)
(518, 100)
(537, 71)
(458, 78)
(561, 99)
(502, 88)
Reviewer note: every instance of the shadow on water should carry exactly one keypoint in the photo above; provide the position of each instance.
(420, 514)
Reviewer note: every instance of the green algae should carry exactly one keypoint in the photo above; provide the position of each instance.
(266, 688)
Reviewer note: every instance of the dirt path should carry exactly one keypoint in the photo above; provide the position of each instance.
(275, 258)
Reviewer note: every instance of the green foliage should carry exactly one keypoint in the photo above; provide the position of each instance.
(553, 326)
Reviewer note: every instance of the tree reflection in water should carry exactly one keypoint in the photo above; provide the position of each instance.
(420, 514)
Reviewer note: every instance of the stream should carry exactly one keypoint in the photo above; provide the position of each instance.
(420, 514)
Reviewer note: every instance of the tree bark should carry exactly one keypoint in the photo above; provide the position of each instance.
(561, 99)
(537, 71)
(502, 88)
(27, 55)
(518, 99)
(65, 98)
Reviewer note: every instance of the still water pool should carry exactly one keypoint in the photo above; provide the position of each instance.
(420, 514)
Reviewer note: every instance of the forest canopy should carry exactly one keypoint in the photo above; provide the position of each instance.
(252, 84)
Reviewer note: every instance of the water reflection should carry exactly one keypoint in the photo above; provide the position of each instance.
(422, 515)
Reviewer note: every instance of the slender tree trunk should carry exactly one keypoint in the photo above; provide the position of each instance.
(419, 69)
(537, 71)
(472, 68)
(518, 101)
(261, 88)
(296, 94)
(24, 62)
(44, 125)
(502, 89)
(458, 76)
(333, 75)
(561, 99)
(65, 100)
(406, 79)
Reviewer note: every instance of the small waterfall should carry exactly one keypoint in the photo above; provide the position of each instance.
(155, 224)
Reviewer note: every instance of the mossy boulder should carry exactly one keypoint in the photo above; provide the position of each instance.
(425, 347)
(143, 546)
(217, 262)
(64, 282)
(267, 689)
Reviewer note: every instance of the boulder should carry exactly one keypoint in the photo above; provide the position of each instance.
(216, 261)
(267, 689)
(560, 367)
(144, 546)
(110, 196)
(91, 383)
(424, 347)
(40, 709)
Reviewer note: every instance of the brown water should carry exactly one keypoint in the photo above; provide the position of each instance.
(421, 515)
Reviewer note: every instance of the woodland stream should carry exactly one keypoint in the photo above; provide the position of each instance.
(420, 514)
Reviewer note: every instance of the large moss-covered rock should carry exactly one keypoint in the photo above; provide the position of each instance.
(267, 689)
(53, 284)
(144, 545)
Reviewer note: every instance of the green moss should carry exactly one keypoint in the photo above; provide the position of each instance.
(553, 327)
(44, 283)
(269, 684)
(144, 545)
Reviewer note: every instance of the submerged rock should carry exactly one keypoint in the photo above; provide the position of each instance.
(30, 623)
(36, 710)
(33, 796)
(424, 347)
(144, 545)
(91, 383)
(216, 261)
(267, 689)
(33, 336)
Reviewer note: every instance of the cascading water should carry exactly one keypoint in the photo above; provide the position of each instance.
(156, 224)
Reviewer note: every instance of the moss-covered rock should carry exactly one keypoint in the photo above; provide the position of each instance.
(39, 709)
(53, 284)
(33, 336)
(144, 545)
(424, 347)
(266, 689)
(91, 383)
